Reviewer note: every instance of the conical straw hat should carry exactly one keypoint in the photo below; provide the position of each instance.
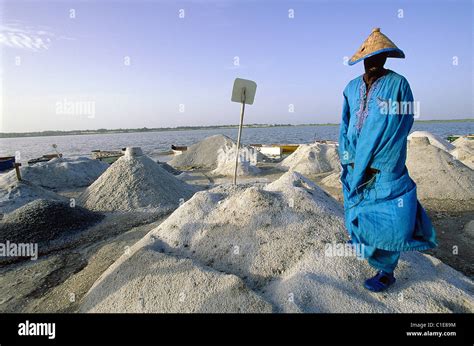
(374, 44)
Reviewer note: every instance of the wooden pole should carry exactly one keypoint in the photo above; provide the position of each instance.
(242, 110)
(17, 170)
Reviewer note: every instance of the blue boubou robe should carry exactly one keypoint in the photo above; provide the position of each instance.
(381, 210)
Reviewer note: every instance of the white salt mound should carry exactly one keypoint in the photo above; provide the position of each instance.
(275, 240)
(203, 154)
(251, 232)
(464, 142)
(332, 180)
(136, 183)
(20, 193)
(464, 151)
(311, 159)
(60, 173)
(153, 282)
(438, 174)
(435, 140)
(248, 158)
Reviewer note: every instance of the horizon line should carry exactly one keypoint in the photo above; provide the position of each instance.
(180, 128)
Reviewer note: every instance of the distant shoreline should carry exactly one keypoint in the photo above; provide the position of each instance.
(180, 128)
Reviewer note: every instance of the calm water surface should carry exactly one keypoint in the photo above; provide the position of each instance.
(153, 143)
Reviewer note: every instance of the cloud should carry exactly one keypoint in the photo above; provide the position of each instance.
(16, 35)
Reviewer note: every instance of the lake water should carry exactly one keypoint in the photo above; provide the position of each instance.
(153, 143)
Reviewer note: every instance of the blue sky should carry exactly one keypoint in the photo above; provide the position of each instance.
(181, 70)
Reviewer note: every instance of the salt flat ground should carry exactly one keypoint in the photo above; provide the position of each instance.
(59, 281)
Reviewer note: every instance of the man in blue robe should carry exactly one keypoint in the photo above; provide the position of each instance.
(382, 213)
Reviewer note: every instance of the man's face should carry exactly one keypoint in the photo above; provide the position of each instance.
(375, 62)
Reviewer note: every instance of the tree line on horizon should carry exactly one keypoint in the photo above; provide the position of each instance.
(178, 128)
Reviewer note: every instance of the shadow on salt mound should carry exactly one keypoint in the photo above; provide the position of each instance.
(321, 283)
(468, 229)
(60, 173)
(153, 282)
(169, 169)
(438, 174)
(254, 233)
(19, 193)
(433, 139)
(311, 159)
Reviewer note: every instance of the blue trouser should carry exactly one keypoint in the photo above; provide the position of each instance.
(384, 260)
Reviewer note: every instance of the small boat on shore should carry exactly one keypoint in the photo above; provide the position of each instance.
(275, 150)
(268, 150)
(7, 163)
(44, 158)
(265, 149)
(109, 156)
(178, 149)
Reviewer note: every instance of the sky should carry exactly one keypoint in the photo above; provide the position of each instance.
(74, 65)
